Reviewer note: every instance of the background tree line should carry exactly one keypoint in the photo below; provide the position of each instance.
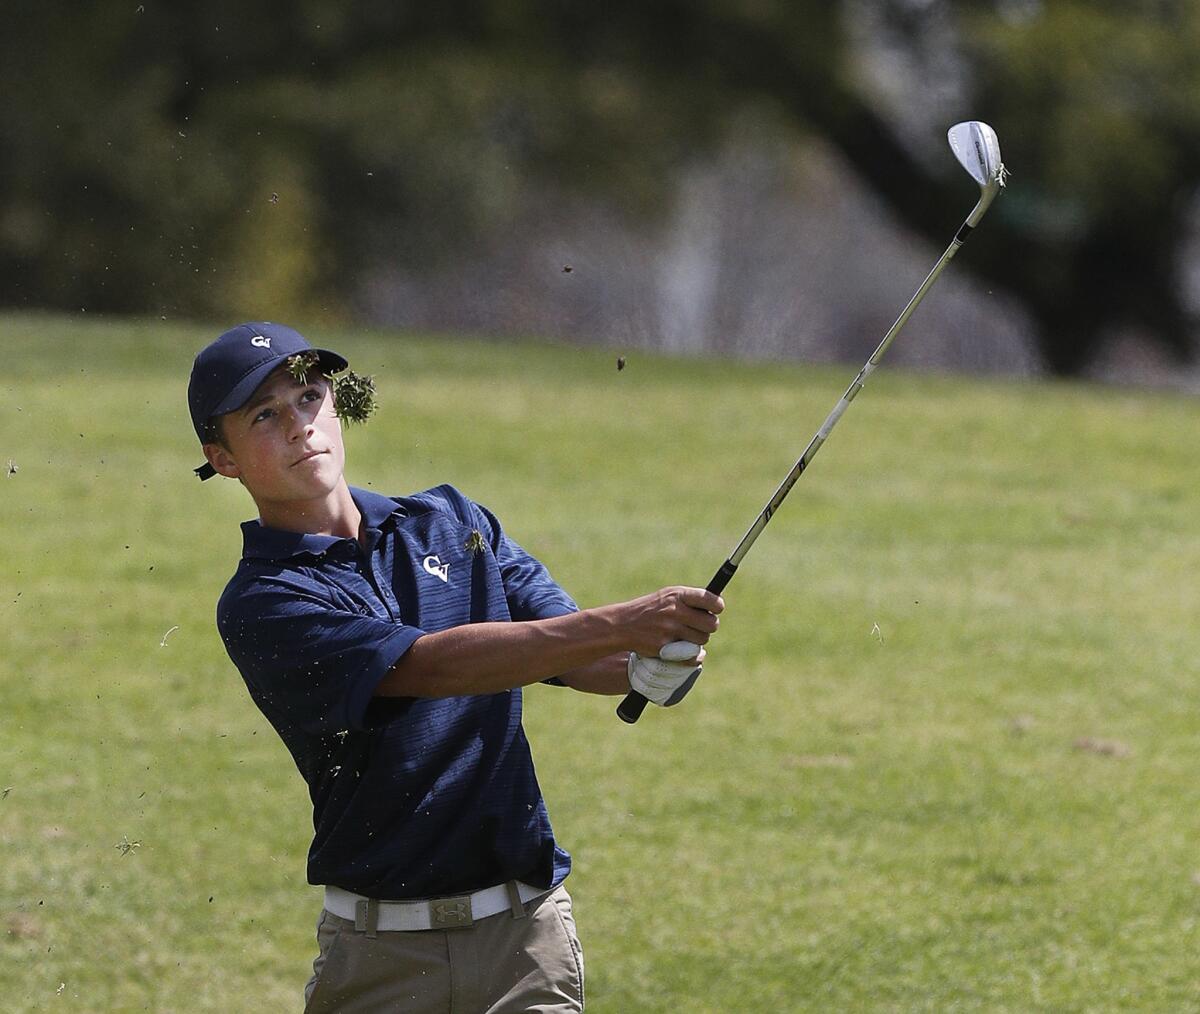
(201, 158)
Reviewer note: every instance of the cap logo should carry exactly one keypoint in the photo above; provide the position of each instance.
(261, 341)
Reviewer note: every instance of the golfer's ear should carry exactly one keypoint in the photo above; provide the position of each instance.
(220, 459)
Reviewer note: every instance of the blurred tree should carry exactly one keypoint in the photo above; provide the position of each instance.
(212, 158)
(1098, 108)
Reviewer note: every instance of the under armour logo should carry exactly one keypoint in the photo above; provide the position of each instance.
(450, 912)
(261, 341)
(433, 565)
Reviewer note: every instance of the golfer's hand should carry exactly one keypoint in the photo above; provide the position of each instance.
(670, 614)
(665, 683)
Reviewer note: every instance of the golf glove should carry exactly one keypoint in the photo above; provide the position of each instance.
(665, 683)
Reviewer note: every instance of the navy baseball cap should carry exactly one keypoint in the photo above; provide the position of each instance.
(229, 370)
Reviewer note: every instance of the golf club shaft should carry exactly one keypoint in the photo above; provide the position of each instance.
(630, 709)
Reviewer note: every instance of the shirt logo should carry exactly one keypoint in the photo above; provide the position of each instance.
(433, 565)
(261, 341)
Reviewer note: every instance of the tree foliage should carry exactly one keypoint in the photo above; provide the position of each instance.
(211, 158)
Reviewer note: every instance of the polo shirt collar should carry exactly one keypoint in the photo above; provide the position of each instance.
(263, 543)
(374, 507)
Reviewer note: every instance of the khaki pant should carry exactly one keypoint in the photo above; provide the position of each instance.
(498, 965)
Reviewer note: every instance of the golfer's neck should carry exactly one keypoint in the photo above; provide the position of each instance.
(334, 513)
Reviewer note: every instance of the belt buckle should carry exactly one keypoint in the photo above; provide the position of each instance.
(450, 913)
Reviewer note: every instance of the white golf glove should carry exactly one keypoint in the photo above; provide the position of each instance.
(662, 680)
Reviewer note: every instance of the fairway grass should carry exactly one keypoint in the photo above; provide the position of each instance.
(944, 755)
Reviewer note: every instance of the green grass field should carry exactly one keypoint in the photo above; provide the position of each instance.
(945, 755)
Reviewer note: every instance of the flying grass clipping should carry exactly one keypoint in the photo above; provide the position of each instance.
(353, 394)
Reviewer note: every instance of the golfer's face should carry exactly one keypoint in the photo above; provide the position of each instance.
(286, 440)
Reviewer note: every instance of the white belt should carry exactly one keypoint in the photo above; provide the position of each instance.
(370, 914)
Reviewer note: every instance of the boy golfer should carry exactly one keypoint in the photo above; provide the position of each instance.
(387, 641)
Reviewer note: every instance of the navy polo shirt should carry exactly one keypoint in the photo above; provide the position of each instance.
(412, 797)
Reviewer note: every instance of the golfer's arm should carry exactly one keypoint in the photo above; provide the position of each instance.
(485, 658)
(608, 675)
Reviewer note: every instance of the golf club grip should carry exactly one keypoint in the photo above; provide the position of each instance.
(630, 709)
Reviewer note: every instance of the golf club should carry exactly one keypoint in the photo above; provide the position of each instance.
(975, 146)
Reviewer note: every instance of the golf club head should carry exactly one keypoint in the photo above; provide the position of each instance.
(978, 151)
